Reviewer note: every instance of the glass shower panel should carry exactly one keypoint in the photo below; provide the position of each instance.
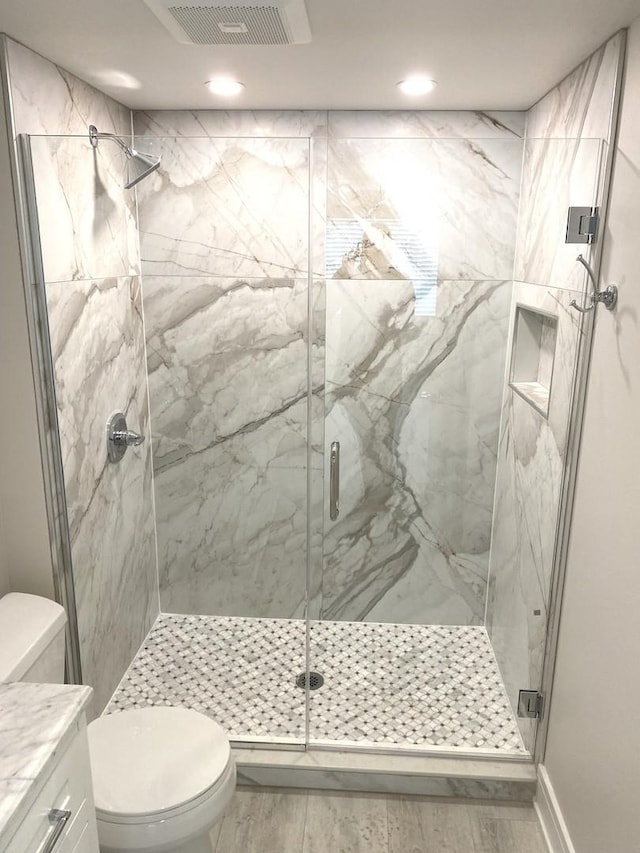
(546, 354)
(224, 245)
(86, 266)
(419, 258)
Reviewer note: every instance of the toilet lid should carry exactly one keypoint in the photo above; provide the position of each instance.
(151, 760)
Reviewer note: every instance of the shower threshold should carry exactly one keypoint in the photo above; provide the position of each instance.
(386, 687)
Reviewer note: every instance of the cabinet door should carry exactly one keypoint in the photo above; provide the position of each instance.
(62, 815)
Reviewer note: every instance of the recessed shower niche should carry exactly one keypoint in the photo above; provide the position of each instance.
(532, 356)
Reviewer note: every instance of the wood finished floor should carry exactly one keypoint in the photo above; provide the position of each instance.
(293, 821)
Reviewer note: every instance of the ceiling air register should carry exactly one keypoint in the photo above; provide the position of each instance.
(227, 22)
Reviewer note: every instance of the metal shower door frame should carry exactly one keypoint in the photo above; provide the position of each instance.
(44, 386)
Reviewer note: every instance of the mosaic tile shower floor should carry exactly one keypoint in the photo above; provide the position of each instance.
(412, 685)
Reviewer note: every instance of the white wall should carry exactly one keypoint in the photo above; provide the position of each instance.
(593, 751)
(25, 555)
(5, 583)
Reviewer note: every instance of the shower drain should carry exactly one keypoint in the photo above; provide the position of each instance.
(315, 680)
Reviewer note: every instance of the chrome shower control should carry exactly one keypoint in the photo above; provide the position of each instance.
(119, 437)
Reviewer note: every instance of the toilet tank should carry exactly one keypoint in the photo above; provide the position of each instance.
(31, 639)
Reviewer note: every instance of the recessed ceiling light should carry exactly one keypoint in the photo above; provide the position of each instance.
(225, 86)
(418, 84)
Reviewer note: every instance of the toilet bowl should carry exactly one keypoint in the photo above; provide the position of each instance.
(162, 778)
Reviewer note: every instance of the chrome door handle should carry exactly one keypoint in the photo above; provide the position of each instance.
(58, 819)
(334, 481)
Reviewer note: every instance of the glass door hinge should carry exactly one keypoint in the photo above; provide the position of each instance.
(530, 704)
(582, 225)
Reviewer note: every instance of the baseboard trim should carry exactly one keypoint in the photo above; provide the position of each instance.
(554, 828)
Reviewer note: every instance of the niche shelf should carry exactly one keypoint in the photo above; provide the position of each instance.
(532, 356)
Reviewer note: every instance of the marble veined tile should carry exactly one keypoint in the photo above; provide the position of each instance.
(568, 134)
(48, 99)
(215, 123)
(414, 401)
(227, 207)
(227, 364)
(223, 356)
(339, 123)
(86, 217)
(557, 174)
(426, 124)
(232, 533)
(456, 199)
(97, 344)
(581, 105)
(531, 458)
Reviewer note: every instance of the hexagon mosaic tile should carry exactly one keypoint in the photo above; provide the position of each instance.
(417, 686)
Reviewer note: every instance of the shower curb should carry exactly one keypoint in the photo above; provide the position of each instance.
(512, 780)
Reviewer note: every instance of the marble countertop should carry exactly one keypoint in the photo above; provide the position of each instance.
(34, 721)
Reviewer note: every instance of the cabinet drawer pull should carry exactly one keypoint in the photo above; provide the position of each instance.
(58, 819)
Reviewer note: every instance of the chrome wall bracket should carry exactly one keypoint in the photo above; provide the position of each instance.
(119, 437)
(582, 225)
(608, 297)
(530, 704)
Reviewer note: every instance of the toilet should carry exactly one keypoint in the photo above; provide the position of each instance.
(162, 777)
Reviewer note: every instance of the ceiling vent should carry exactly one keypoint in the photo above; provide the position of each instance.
(241, 22)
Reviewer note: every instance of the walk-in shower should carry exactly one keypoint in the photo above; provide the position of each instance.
(349, 338)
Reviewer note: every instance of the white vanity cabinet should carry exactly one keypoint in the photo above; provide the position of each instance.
(46, 794)
(61, 818)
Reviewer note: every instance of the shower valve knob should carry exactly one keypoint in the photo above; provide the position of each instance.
(127, 437)
(119, 437)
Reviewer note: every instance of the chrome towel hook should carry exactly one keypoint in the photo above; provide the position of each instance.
(608, 297)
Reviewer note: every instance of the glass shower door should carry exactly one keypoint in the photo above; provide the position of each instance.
(419, 256)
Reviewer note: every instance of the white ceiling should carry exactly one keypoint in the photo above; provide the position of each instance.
(485, 54)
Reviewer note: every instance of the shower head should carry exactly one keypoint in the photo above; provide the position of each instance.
(139, 165)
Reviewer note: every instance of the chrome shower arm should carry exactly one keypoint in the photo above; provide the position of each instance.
(95, 135)
(139, 165)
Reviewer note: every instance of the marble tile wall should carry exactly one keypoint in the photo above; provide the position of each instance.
(46, 99)
(224, 237)
(414, 402)
(228, 385)
(226, 292)
(566, 152)
(413, 395)
(91, 263)
(99, 369)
